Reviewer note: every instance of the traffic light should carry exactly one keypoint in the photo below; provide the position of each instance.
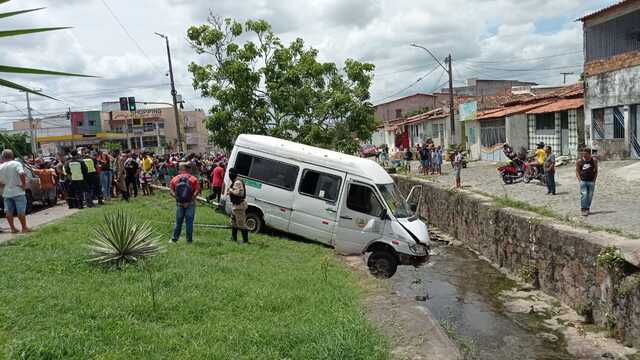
(132, 103)
(124, 104)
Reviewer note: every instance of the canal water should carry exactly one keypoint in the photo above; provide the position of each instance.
(463, 293)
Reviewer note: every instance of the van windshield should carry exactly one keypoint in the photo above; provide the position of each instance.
(394, 199)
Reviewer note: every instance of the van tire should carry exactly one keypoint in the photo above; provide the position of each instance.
(382, 264)
(254, 222)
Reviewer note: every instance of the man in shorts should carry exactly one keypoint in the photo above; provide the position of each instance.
(14, 180)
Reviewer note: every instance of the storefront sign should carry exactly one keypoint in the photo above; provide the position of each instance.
(468, 110)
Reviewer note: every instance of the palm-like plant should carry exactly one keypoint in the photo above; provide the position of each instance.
(121, 240)
(22, 70)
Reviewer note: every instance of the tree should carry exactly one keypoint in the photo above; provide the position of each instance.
(261, 86)
(19, 143)
(21, 70)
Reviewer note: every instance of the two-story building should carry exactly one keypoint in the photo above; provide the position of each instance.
(612, 80)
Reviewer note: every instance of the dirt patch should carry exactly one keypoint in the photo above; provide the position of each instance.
(411, 329)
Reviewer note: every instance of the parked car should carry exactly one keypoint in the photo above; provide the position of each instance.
(368, 151)
(343, 201)
(33, 191)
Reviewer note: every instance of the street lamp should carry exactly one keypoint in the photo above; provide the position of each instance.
(449, 71)
(173, 93)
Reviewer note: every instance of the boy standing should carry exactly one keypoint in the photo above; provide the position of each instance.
(587, 173)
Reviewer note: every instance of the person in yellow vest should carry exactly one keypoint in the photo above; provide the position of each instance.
(92, 190)
(76, 171)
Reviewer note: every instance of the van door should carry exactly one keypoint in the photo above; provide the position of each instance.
(360, 208)
(315, 206)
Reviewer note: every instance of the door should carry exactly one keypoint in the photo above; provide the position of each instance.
(359, 220)
(564, 126)
(315, 206)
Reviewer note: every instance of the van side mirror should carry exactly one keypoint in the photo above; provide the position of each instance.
(413, 206)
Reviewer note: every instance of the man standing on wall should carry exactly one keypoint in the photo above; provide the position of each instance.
(550, 170)
(587, 173)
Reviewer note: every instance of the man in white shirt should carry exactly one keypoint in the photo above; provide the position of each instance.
(14, 181)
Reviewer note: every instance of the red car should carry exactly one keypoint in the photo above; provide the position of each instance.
(368, 151)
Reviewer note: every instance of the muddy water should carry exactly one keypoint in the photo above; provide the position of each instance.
(462, 291)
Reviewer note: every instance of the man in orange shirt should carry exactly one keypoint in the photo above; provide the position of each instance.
(48, 183)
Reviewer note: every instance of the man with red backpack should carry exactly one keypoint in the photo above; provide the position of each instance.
(184, 188)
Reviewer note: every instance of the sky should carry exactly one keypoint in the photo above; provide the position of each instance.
(529, 40)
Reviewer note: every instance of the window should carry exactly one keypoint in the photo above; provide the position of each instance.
(395, 200)
(268, 171)
(160, 125)
(320, 185)
(150, 141)
(618, 123)
(80, 124)
(492, 132)
(398, 113)
(149, 126)
(615, 36)
(363, 200)
(597, 123)
(546, 121)
(436, 131)
(92, 123)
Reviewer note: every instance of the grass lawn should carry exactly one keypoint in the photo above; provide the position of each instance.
(215, 299)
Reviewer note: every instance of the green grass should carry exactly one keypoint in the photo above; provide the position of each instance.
(216, 299)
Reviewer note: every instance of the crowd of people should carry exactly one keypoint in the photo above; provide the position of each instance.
(86, 178)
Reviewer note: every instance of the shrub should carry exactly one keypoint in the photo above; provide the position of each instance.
(121, 240)
(611, 258)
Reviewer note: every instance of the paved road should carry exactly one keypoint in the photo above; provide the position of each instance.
(616, 202)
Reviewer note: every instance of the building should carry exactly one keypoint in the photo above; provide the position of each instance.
(405, 106)
(554, 118)
(196, 133)
(612, 80)
(482, 87)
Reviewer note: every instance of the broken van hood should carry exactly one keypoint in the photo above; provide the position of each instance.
(417, 228)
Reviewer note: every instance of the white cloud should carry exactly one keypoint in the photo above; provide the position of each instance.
(378, 31)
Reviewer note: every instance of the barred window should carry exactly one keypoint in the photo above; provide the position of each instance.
(492, 132)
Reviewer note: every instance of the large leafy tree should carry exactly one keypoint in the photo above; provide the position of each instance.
(261, 86)
(22, 70)
(19, 143)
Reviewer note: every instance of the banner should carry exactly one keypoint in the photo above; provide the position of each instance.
(468, 110)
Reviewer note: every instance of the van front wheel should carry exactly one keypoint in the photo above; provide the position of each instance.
(254, 222)
(382, 264)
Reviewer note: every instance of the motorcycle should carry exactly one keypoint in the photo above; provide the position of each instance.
(533, 173)
(512, 172)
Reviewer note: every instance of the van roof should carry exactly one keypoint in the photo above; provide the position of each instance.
(316, 156)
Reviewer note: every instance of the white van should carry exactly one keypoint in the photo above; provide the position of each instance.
(344, 201)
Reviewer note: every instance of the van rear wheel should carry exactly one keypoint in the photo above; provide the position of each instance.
(382, 264)
(254, 222)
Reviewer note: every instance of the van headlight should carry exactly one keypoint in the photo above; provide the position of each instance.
(413, 248)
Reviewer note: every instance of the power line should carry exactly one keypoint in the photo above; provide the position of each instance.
(521, 60)
(410, 86)
(404, 70)
(128, 34)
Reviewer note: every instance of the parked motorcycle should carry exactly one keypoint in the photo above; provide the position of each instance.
(512, 172)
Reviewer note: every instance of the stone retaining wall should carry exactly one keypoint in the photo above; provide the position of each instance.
(557, 258)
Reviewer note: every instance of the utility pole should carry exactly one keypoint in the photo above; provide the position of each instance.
(564, 74)
(452, 114)
(449, 71)
(34, 145)
(174, 94)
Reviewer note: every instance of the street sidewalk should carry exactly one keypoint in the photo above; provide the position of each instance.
(36, 220)
(616, 203)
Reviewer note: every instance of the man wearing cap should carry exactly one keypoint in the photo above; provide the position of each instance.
(237, 194)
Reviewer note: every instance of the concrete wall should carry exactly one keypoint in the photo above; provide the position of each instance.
(615, 88)
(563, 259)
(517, 131)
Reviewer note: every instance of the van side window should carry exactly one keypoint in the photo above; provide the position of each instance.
(363, 200)
(268, 171)
(320, 185)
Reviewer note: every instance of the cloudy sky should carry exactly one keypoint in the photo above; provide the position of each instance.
(532, 40)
